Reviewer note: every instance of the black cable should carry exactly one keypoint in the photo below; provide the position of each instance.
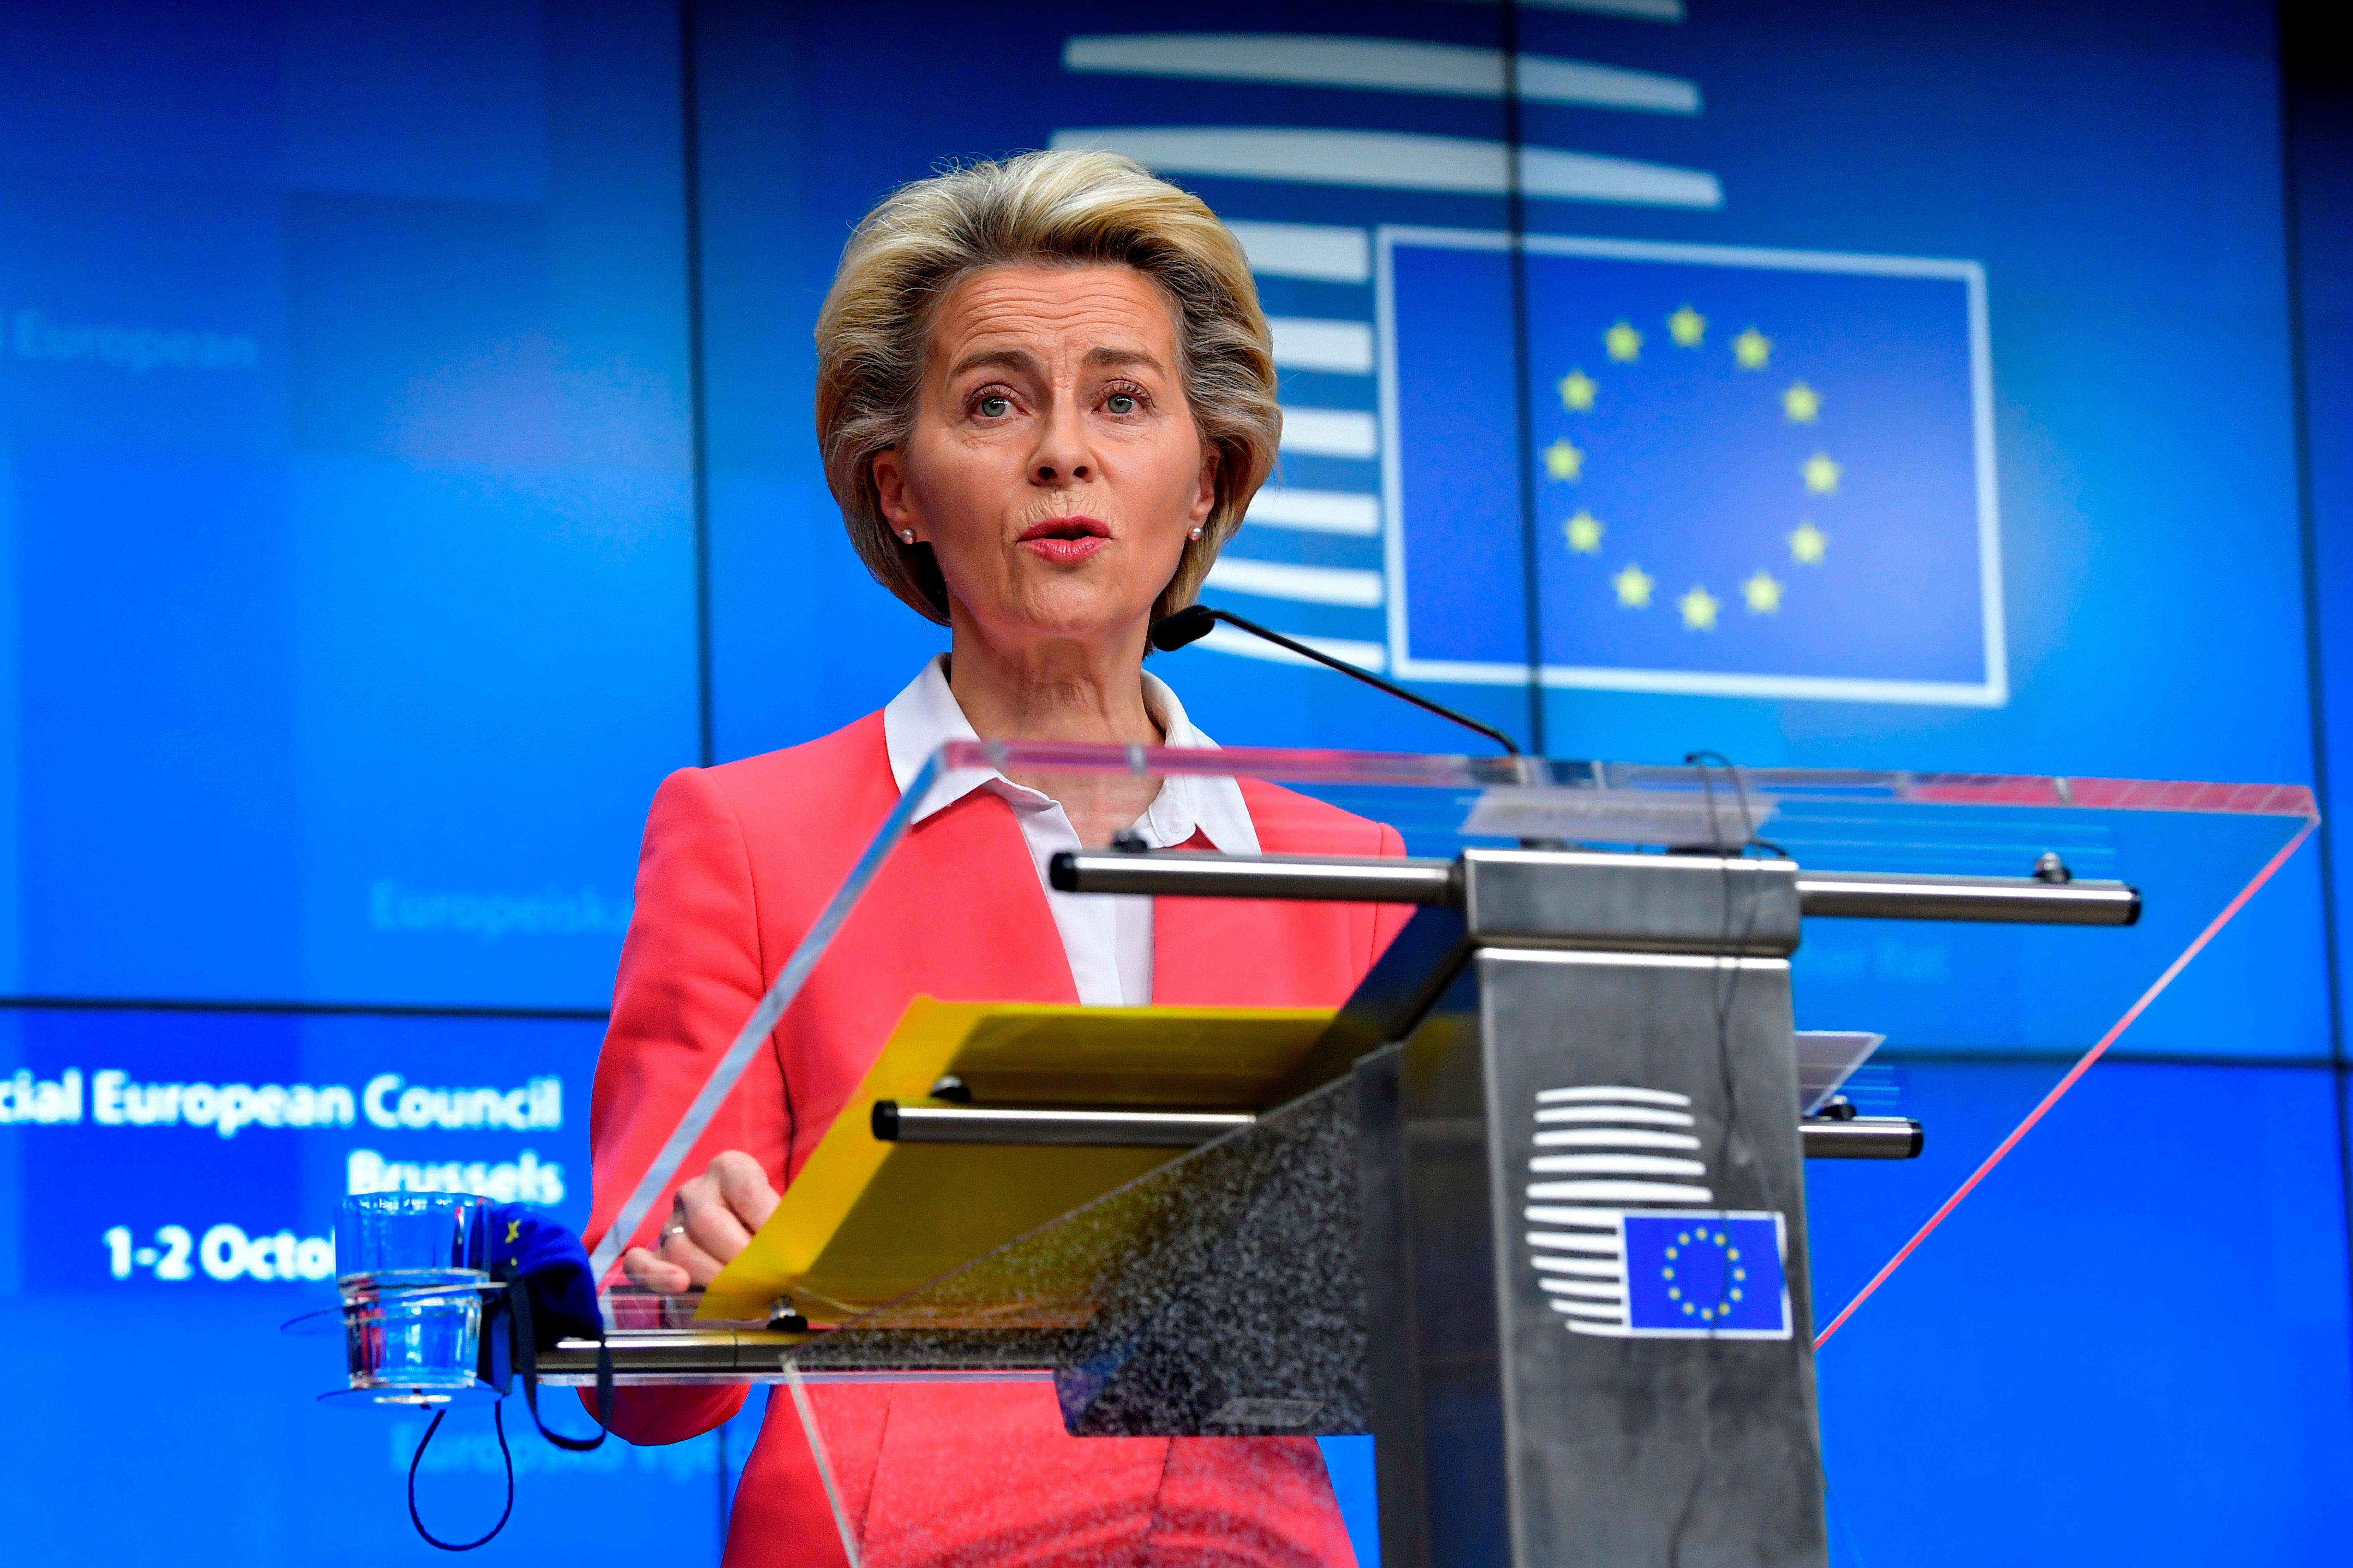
(1727, 986)
(1691, 1498)
(1725, 991)
(419, 1519)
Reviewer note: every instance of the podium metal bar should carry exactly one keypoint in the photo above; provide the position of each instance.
(1183, 874)
(2017, 899)
(674, 1355)
(1824, 1138)
(897, 1123)
(1861, 1137)
(1379, 879)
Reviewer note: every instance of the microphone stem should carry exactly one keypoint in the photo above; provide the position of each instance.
(1369, 678)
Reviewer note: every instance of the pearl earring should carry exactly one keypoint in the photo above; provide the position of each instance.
(1195, 534)
(907, 535)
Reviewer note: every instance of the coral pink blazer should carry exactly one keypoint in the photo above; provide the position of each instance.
(736, 864)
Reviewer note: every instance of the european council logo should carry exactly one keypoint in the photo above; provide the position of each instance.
(1616, 1246)
(1757, 473)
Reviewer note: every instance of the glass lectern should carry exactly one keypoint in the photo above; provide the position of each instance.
(1470, 1111)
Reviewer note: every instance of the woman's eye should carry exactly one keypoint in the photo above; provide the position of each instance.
(996, 405)
(1121, 402)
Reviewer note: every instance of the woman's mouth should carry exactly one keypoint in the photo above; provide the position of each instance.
(1065, 541)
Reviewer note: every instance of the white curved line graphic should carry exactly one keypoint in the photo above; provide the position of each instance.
(1615, 1165)
(1606, 1092)
(1399, 161)
(1614, 1138)
(1379, 65)
(1634, 1114)
(1607, 1191)
(1561, 1241)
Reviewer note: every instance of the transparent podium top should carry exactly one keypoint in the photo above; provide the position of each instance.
(952, 1314)
(949, 902)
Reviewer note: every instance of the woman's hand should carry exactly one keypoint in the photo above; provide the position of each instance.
(710, 1221)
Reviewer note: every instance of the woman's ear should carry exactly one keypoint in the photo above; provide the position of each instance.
(890, 490)
(1204, 499)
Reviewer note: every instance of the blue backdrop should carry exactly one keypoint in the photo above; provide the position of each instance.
(405, 461)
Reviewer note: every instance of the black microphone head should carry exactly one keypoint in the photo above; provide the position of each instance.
(1188, 625)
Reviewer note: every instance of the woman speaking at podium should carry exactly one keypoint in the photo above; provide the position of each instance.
(1045, 397)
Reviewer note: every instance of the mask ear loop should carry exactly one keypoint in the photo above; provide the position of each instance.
(523, 1347)
(504, 1514)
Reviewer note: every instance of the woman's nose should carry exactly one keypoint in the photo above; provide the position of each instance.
(1062, 456)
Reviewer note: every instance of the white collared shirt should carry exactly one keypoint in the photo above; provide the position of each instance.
(1107, 938)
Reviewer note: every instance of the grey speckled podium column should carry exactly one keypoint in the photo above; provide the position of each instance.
(1585, 1253)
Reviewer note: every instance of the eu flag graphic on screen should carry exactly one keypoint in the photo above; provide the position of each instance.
(1702, 1274)
(1756, 472)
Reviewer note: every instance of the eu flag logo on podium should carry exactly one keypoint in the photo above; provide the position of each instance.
(1760, 473)
(1705, 1274)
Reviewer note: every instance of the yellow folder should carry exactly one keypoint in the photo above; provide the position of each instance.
(867, 1221)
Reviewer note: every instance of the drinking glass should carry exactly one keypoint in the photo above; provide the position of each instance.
(410, 1268)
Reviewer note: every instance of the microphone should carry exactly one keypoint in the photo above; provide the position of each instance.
(1191, 624)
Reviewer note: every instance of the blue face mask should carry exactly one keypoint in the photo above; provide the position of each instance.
(551, 1267)
(549, 1294)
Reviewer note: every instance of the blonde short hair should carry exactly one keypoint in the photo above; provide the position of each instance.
(1073, 207)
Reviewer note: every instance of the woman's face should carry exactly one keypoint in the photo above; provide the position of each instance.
(1054, 467)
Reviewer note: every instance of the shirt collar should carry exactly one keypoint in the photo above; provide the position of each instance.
(926, 716)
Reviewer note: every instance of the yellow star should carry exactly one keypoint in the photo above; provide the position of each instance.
(1562, 460)
(1687, 326)
(1577, 390)
(1624, 343)
(1821, 474)
(1699, 609)
(1802, 403)
(1807, 544)
(1752, 349)
(1764, 595)
(1584, 533)
(1633, 585)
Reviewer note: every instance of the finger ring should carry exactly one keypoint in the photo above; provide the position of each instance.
(678, 1229)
